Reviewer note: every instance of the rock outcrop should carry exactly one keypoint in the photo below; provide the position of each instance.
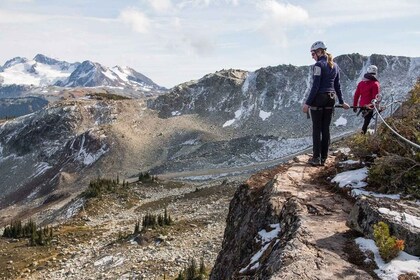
(282, 226)
(402, 218)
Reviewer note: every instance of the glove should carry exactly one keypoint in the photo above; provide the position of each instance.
(355, 110)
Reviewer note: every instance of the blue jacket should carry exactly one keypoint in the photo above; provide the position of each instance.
(325, 79)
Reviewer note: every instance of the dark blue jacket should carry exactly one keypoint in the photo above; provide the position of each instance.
(325, 79)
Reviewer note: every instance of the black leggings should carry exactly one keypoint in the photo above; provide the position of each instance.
(368, 118)
(321, 120)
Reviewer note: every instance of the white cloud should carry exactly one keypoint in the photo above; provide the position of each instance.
(207, 3)
(19, 17)
(200, 45)
(360, 11)
(279, 18)
(284, 15)
(160, 5)
(138, 21)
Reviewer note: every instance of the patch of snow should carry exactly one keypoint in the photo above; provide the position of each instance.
(109, 261)
(403, 263)
(352, 179)
(176, 113)
(190, 142)
(121, 74)
(350, 161)
(245, 86)
(341, 121)
(110, 75)
(132, 241)
(358, 192)
(265, 238)
(264, 115)
(345, 151)
(33, 194)
(240, 113)
(402, 217)
(229, 123)
(87, 158)
(40, 168)
(74, 208)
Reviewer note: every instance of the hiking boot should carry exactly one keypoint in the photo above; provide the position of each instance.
(315, 161)
(323, 160)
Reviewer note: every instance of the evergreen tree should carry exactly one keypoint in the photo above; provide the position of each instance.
(191, 272)
(40, 239)
(160, 220)
(32, 240)
(180, 276)
(165, 216)
(202, 269)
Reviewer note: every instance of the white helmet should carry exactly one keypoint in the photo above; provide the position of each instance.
(318, 45)
(372, 69)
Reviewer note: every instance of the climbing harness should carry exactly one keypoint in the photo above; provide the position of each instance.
(332, 96)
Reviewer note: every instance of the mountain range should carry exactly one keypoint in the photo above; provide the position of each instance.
(228, 122)
(43, 71)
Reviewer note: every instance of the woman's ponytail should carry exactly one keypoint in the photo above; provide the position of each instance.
(330, 59)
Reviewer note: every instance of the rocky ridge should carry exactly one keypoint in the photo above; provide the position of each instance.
(290, 223)
(268, 100)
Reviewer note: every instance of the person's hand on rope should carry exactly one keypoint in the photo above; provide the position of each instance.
(355, 109)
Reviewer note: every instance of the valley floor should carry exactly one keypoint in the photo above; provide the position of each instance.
(99, 243)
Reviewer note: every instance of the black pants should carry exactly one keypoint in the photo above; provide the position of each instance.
(321, 120)
(368, 117)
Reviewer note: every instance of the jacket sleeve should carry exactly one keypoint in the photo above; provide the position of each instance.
(337, 86)
(315, 84)
(356, 95)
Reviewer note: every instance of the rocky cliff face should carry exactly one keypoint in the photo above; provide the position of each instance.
(13, 107)
(38, 149)
(283, 226)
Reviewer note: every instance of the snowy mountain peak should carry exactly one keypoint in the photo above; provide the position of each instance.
(14, 61)
(45, 71)
(45, 59)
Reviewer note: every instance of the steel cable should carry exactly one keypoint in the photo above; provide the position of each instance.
(393, 130)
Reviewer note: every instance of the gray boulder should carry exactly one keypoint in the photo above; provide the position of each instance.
(403, 218)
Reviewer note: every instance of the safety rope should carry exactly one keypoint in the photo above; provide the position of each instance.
(393, 130)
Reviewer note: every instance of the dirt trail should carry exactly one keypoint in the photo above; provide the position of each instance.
(325, 236)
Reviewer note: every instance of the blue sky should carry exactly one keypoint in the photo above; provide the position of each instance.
(174, 41)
